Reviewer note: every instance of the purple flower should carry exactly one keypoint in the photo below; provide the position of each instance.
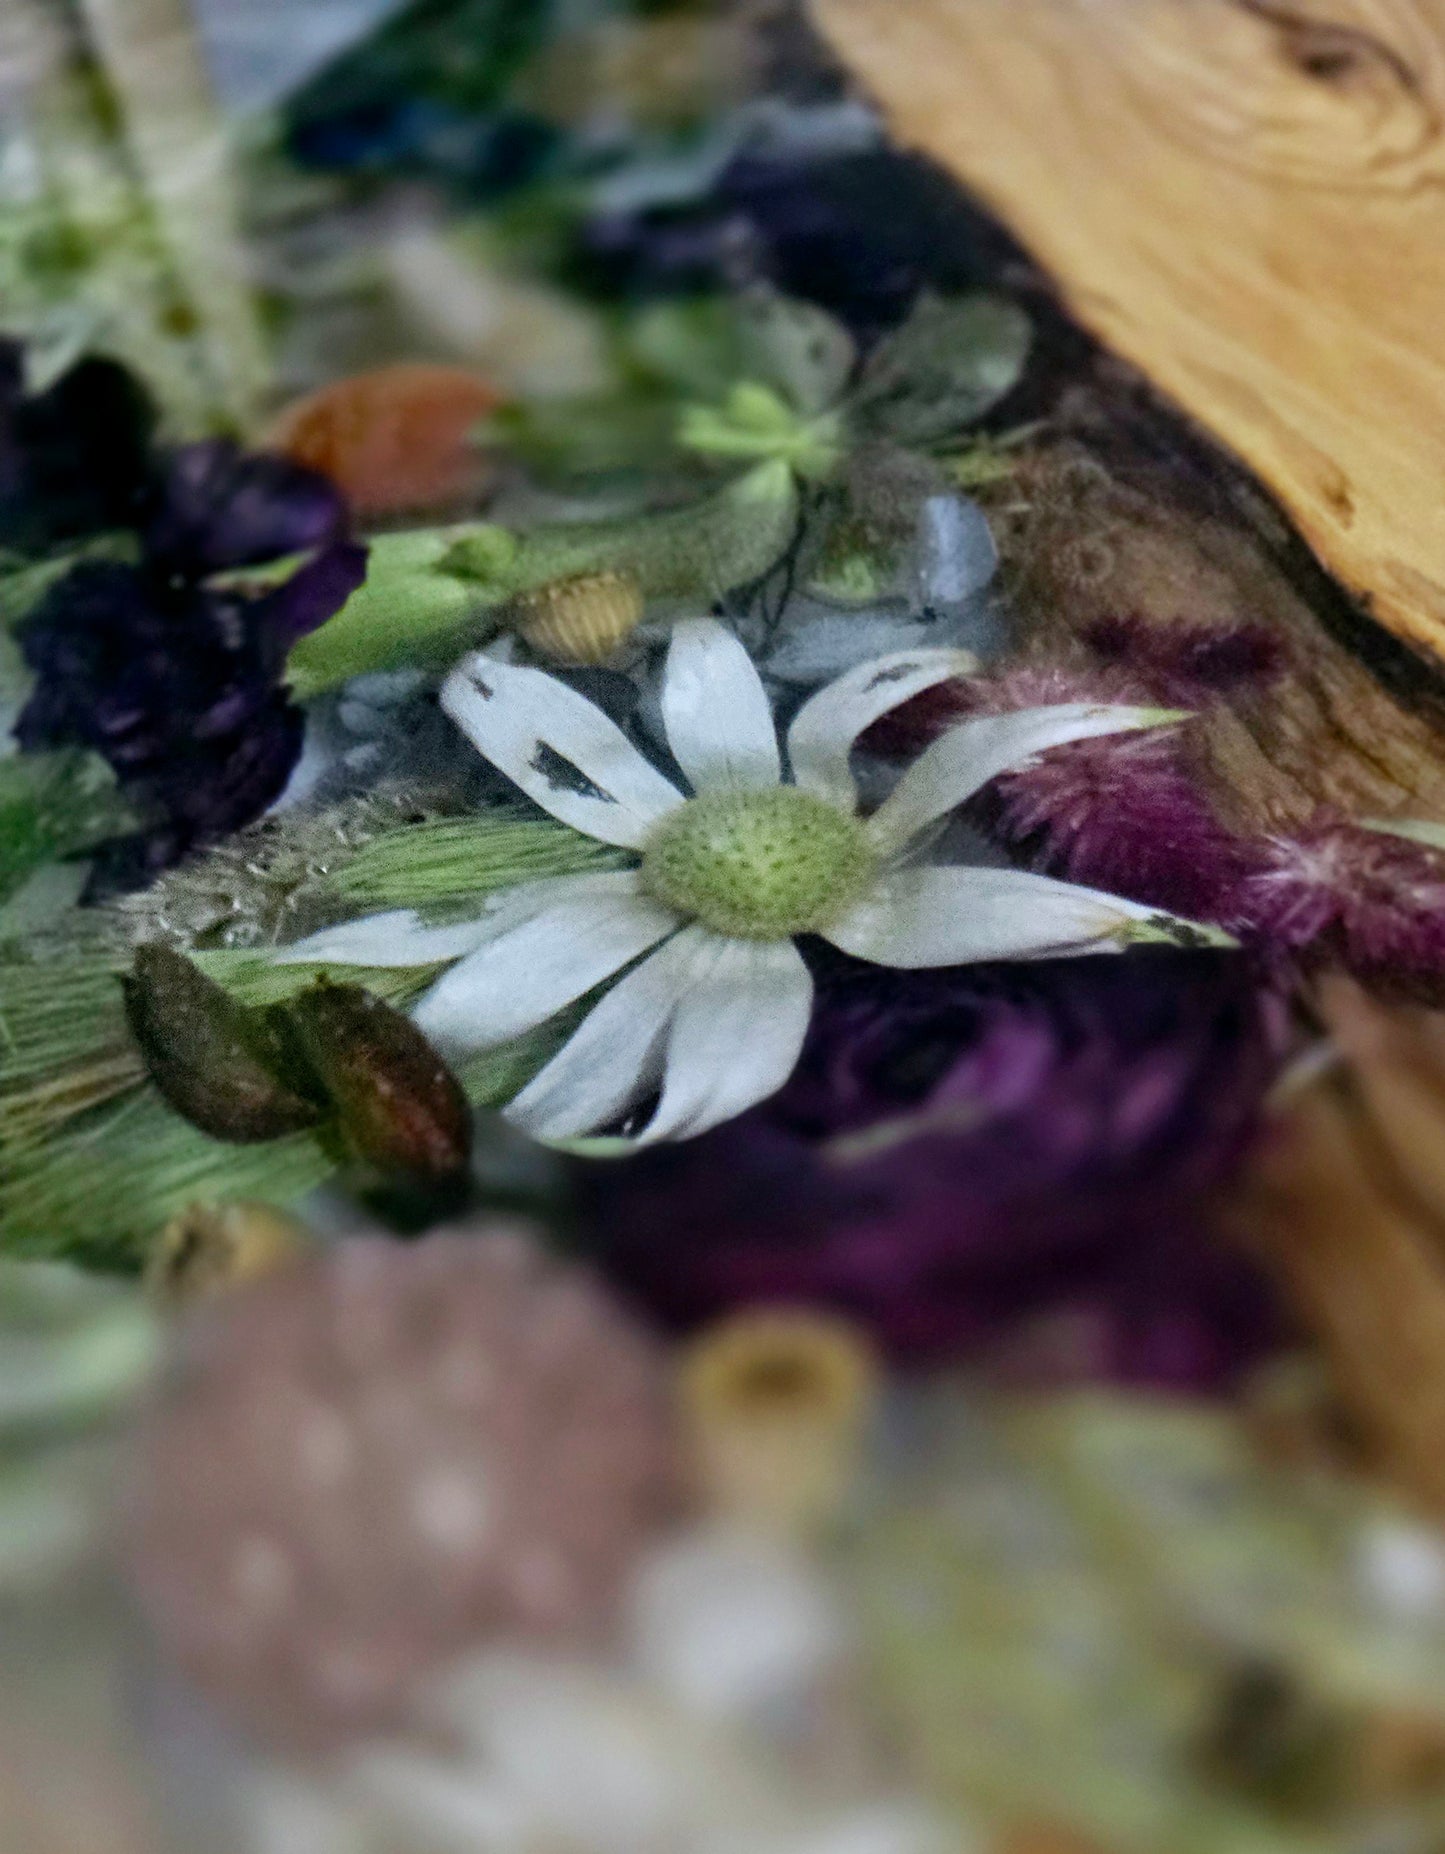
(219, 507)
(176, 681)
(962, 1153)
(1373, 902)
(1124, 813)
(75, 459)
(1129, 814)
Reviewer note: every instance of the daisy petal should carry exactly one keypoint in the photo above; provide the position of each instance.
(615, 1059)
(962, 761)
(735, 1038)
(826, 726)
(950, 917)
(398, 938)
(542, 961)
(719, 724)
(559, 748)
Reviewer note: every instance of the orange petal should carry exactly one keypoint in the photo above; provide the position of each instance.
(395, 439)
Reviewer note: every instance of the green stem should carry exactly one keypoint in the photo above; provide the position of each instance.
(181, 150)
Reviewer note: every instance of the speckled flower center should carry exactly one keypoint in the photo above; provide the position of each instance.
(757, 865)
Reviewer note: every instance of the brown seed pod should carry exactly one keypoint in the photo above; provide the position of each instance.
(210, 1248)
(579, 620)
(219, 1065)
(398, 1109)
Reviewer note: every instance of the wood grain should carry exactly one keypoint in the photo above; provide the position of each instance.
(1246, 199)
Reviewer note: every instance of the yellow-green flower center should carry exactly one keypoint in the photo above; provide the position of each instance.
(758, 865)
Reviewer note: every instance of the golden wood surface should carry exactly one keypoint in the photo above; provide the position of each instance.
(1245, 198)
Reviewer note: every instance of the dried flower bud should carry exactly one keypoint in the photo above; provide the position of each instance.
(209, 1248)
(398, 1109)
(219, 1065)
(776, 1402)
(579, 620)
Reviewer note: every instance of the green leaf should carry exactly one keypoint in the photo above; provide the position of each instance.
(54, 805)
(406, 612)
(429, 595)
(797, 348)
(952, 361)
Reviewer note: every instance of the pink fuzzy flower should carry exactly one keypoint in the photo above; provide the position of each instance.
(1373, 901)
(1123, 813)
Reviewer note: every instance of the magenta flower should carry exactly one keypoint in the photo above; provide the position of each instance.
(1371, 901)
(1127, 814)
(1130, 815)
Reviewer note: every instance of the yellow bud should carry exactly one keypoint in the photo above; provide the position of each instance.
(579, 620)
(775, 1406)
(210, 1248)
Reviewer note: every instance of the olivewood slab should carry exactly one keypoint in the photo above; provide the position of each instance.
(1246, 199)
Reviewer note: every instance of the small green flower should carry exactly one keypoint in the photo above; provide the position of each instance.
(758, 865)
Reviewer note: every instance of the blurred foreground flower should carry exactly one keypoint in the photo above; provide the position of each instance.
(383, 1456)
(175, 677)
(960, 1153)
(1345, 1203)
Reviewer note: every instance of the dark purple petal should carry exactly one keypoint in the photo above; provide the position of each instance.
(178, 688)
(75, 459)
(220, 507)
(314, 593)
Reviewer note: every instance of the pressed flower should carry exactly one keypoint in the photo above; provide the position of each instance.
(715, 999)
(175, 679)
(961, 1156)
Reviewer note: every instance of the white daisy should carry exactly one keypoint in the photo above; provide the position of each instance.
(715, 999)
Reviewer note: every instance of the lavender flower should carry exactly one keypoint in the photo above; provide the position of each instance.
(174, 680)
(959, 1153)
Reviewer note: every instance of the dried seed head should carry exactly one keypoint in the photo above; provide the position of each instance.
(218, 1064)
(398, 1109)
(579, 620)
(758, 865)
